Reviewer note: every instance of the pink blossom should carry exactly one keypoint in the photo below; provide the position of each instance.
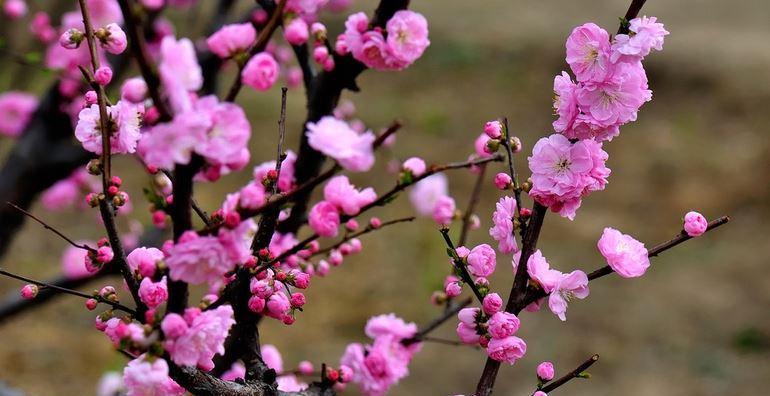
(468, 315)
(482, 261)
(324, 219)
(272, 357)
(174, 325)
(563, 172)
(588, 52)
(73, 262)
(502, 325)
(296, 32)
(572, 285)
(134, 90)
(278, 305)
(407, 37)
(492, 303)
(426, 193)
(376, 367)
(389, 325)
(15, 9)
(506, 350)
(415, 165)
(444, 211)
(228, 132)
(167, 144)
(110, 384)
(260, 72)
(180, 72)
(16, 110)
(198, 259)
(695, 224)
(343, 195)
(539, 270)
(232, 39)
(564, 102)
(144, 376)
(645, 34)
(112, 39)
(41, 27)
(236, 371)
(617, 98)
(338, 140)
(153, 293)
(503, 181)
(545, 371)
(144, 260)
(624, 254)
(502, 231)
(204, 337)
(124, 136)
(467, 333)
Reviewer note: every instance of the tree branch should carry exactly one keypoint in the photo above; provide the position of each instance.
(577, 372)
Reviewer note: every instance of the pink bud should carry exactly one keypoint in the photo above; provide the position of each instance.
(305, 367)
(91, 97)
(256, 304)
(71, 38)
(335, 258)
(104, 254)
(301, 280)
(695, 224)
(351, 225)
(318, 29)
(453, 289)
(113, 39)
(288, 320)
(153, 5)
(539, 393)
(375, 222)
(492, 303)
(346, 249)
(232, 219)
(296, 32)
(322, 269)
(159, 219)
(503, 180)
(106, 291)
(91, 304)
(355, 245)
(134, 90)
(416, 166)
(320, 54)
(346, 373)
(297, 300)
(15, 9)
(112, 190)
(259, 16)
(29, 292)
(545, 371)
(328, 65)
(313, 246)
(103, 75)
(493, 129)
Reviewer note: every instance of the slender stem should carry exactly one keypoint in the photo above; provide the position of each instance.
(460, 266)
(578, 371)
(259, 46)
(512, 169)
(391, 129)
(435, 323)
(365, 231)
(474, 200)
(51, 228)
(69, 291)
(279, 157)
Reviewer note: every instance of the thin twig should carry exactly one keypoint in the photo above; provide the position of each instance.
(577, 372)
(460, 266)
(435, 323)
(51, 228)
(69, 291)
(472, 202)
(391, 129)
(365, 231)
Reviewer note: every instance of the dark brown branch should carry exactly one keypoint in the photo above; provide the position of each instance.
(365, 231)
(512, 172)
(633, 11)
(577, 372)
(51, 228)
(391, 129)
(65, 290)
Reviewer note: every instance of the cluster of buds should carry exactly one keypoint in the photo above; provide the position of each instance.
(342, 375)
(321, 49)
(230, 219)
(271, 295)
(111, 38)
(496, 135)
(119, 198)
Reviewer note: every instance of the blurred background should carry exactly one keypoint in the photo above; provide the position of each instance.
(696, 324)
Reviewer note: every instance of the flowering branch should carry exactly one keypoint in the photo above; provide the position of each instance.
(65, 290)
(365, 231)
(578, 372)
(460, 266)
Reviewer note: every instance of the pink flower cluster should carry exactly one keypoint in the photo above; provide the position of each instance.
(378, 366)
(564, 172)
(404, 40)
(340, 198)
(269, 293)
(194, 338)
(611, 82)
(561, 287)
(493, 329)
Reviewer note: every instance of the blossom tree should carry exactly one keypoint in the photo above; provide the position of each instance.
(253, 256)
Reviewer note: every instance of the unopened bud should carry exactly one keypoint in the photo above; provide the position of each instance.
(94, 167)
(492, 146)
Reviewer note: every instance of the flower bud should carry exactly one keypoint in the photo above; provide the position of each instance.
(91, 304)
(90, 97)
(71, 39)
(94, 167)
(103, 75)
(515, 144)
(503, 181)
(545, 371)
(492, 146)
(29, 292)
(493, 129)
